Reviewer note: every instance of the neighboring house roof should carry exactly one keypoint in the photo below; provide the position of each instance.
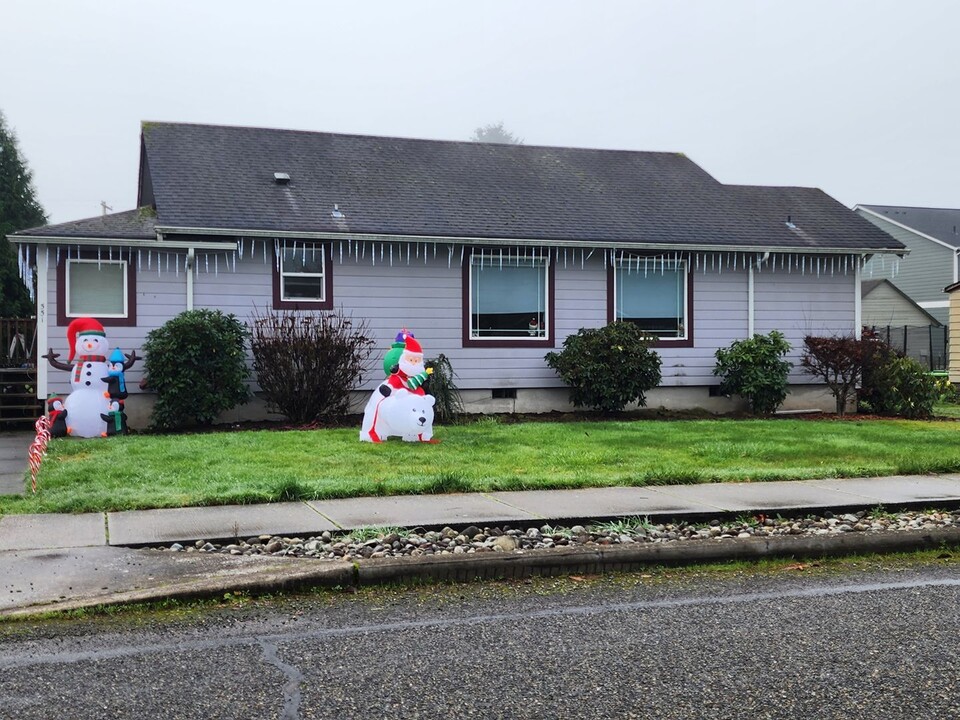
(940, 223)
(869, 286)
(129, 225)
(217, 178)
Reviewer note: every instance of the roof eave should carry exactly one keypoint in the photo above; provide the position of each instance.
(474, 240)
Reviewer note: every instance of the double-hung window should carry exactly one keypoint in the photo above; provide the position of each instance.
(654, 293)
(302, 277)
(96, 287)
(509, 298)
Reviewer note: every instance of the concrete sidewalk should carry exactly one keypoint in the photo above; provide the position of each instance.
(517, 509)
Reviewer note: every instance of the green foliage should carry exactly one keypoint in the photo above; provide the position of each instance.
(197, 366)
(899, 386)
(838, 361)
(19, 210)
(947, 392)
(307, 364)
(755, 370)
(449, 404)
(607, 368)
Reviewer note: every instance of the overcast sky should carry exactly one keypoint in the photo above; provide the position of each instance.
(860, 99)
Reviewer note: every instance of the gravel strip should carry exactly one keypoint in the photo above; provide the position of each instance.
(397, 542)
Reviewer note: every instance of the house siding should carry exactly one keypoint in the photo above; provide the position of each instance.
(427, 297)
(954, 338)
(885, 306)
(922, 274)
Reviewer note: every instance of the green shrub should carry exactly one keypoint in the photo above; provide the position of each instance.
(449, 404)
(607, 368)
(197, 365)
(755, 370)
(894, 384)
(307, 363)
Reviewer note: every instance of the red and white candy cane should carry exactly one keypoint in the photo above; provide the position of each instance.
(38, 448)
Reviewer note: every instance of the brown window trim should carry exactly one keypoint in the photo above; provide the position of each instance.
(326, 304)
(688, 342)
(468, 342)
(129, 321)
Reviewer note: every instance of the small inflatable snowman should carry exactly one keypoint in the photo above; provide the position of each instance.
(88, 353)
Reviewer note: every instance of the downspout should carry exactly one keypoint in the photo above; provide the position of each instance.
(191, 261)
(857, 300)
(750, 294)
(43, 322)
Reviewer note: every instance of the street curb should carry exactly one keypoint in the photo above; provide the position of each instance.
(597, 559)
(503, 565)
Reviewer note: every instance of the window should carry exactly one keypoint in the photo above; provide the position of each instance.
(509, 299)
(301, 277)
(96, 287)
(655, 294)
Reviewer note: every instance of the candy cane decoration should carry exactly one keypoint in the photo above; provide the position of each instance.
(38, 448)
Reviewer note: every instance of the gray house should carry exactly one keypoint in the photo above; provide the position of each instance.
(492, 254)
(933, 236)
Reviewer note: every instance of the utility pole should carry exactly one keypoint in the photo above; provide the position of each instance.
(103, 204)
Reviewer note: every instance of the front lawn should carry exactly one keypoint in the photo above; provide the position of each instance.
(154, 471)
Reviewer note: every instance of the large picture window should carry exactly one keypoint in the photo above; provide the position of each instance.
(509, 297)
(654, 293)
(302, 277)
(88, 286)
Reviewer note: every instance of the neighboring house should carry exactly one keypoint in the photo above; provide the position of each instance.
(885, 304)
(491, 254)
(954, 307)
(933, 236)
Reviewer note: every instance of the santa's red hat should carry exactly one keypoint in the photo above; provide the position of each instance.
(82, 326)
(412, 345)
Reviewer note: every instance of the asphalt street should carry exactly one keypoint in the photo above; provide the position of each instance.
(871, 642)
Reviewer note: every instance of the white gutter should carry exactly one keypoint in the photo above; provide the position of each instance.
(121, 242)
(465, 240)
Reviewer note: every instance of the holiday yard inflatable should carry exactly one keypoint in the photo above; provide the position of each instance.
(400, 407)
(95, 407)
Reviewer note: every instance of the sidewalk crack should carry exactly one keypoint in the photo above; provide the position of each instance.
(291, 689)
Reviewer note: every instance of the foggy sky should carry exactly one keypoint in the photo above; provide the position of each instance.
(857, 98)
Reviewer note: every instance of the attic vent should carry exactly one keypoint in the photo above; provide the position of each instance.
(336, 212)
(281, 178)
(790, 224)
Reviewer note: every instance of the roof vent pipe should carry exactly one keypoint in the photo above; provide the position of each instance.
(281, 178)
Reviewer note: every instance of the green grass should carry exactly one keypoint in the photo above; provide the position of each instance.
(156, 471)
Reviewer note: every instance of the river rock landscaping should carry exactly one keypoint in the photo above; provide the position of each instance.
(397, 542)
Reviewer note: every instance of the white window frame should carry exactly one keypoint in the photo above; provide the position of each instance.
(494, 257)
(70, 312)
(651, 265)
(319, 249)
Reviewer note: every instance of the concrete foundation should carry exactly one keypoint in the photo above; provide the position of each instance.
(525, 400)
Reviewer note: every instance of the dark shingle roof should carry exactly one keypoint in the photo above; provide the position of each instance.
(222, 178)
(941, 223)
(127, 225)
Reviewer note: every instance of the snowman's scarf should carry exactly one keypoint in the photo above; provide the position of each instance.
(86, 358)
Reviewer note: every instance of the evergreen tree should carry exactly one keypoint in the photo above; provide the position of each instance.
(495, 133)
(19, 210)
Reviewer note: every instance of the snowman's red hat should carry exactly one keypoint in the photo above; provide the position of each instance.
(412, 345)
(82, 326)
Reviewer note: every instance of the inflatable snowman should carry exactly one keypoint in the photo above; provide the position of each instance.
(89, 402)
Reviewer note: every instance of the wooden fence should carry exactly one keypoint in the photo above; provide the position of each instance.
(19, 405)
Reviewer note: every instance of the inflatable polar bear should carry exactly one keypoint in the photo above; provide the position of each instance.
(400, 413)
